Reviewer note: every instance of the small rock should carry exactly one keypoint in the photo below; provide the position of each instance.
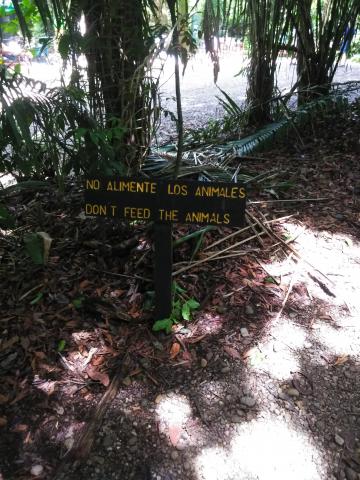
(292, 314)
(282, 396)
(158, 345)
(350, 474)
(339, 440)
(221, 309)
(59, 409)
(182, 444)
(244, 332)
(108, 441)
(225, 370)
(249, 310)
(307, 344)
(132, 441)
(248, 401)
(187, 465)
(99, 460)
(236, 419)
(69, 442)
(37, 470)
(127, 381)
(203, 362)
(174, 455)
(209, 356)
(159, 398)
(293, 392)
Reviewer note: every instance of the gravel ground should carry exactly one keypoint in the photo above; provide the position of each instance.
(263, 390)
(199, 91)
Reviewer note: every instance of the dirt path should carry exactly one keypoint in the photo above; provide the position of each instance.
(199, 91)
(264, 384)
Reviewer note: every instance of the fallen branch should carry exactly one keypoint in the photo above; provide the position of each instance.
(213, 256)
(224, 239)
(295, 200)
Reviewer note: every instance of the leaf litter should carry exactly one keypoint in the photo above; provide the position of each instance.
(93, 298)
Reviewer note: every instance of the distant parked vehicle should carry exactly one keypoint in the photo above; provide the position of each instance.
(12, 54)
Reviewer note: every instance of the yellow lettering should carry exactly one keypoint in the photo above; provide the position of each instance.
(242, 192)
(168, 215)
(92, 184)
(226, 218)
(177, 189)
(113, 208)
(136, 213)
(109, 187)
(88, 209)
(94, 209)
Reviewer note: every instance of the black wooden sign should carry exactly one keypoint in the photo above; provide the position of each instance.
(163, 201)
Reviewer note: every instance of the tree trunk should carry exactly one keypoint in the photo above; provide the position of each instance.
(116, 53)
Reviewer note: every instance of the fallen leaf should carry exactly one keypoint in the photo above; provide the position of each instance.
(98, 376)
(3, 422)
(3, 399)
(20, 427)
(174, 434)
(175, 350)
(186, 356)
(232, 352)
(341, 360)
(40, 355)
(127, 381)
(46, 245)
(97, 360)
(47, 386)
(84, 284)
(9, 343)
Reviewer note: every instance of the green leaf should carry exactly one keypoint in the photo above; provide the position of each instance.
(177, 288)
(193, 304)
(164, 324)
(17, 68)
(61, 346)
(37, 299)
(34, 248)
(269, 280)
(78, 302)
(186, 312)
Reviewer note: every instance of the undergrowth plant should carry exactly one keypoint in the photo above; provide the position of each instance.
(182, 310)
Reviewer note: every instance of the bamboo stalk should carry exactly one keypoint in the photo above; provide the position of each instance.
(295, 200)
(214, 255)
(224, 239)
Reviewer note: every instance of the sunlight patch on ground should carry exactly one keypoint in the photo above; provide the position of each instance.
(343, 341)
(265, 449)
(277, 356)
(173, 409)
(337, 256)
(209, 323)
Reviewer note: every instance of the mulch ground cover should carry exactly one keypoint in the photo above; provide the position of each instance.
(77, 332)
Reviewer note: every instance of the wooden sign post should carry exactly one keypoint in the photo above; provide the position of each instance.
(165, 202)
